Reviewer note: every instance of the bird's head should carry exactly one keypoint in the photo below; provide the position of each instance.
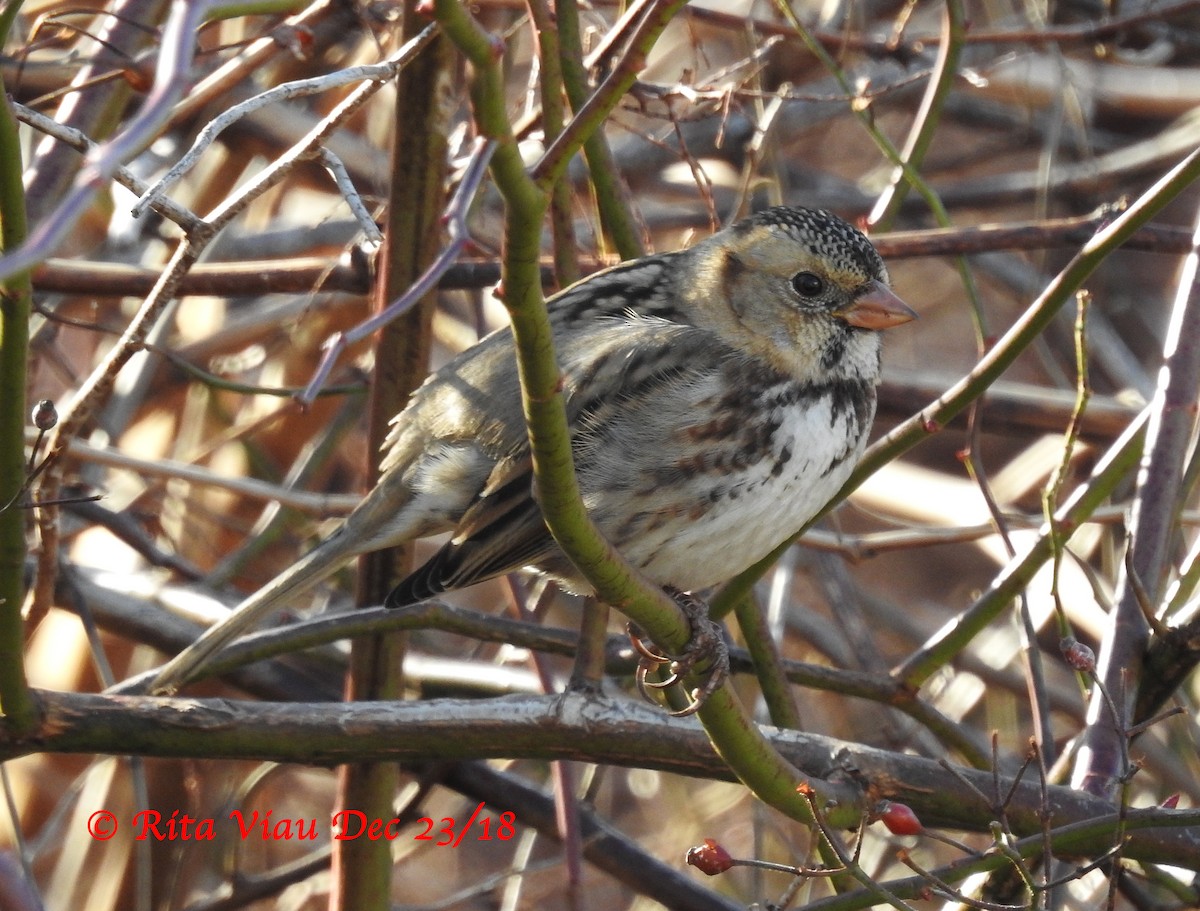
(799, 288)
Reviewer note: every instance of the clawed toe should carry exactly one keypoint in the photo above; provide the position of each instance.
(705, 648)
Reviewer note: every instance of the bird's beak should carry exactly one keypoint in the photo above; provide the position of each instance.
(879, 308)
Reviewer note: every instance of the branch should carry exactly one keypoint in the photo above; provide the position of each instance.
(741, 743)
(175, 59)
(934, 416)
(17, 710)
(588, 728)
(1152, 525)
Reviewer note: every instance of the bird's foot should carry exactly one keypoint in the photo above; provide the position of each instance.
(706, 647)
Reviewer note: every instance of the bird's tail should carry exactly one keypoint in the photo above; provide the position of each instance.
(325, 559)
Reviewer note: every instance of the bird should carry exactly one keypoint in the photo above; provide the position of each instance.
(718, 397)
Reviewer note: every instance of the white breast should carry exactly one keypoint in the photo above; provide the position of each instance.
(691, 540)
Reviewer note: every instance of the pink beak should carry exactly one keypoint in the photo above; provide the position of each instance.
(879, 308)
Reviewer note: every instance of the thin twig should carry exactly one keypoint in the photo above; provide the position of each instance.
(458, 237)
(175, 58)
(300, 88)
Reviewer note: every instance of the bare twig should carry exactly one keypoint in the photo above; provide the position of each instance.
(377, 72)
(458, 239)
(1103, 754)
(175, 57)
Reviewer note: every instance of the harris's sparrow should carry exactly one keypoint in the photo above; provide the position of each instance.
(718, 397)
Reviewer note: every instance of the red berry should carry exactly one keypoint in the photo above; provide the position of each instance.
(899, 818)
(709, 858)
(139, 78)
(1077, 655)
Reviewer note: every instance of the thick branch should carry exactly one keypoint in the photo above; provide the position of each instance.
(587, 728)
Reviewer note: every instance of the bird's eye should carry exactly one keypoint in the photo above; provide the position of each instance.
(807, 284)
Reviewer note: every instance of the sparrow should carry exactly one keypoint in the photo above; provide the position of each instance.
(718, 397)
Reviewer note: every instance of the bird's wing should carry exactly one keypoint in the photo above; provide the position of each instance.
(476, 395)
(503, 530)
(500, 532)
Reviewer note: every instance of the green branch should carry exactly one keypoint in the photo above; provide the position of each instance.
(612, 201)
(945, 71)
(1116, 465)
(992, 365)
(733, 733)
(17, 706)
(526, 202)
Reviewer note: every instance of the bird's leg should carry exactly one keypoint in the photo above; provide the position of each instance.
(706, 646)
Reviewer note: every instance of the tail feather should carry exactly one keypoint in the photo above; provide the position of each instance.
(427, 581)
(324, 560)
(439, 574)
(456, 564)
